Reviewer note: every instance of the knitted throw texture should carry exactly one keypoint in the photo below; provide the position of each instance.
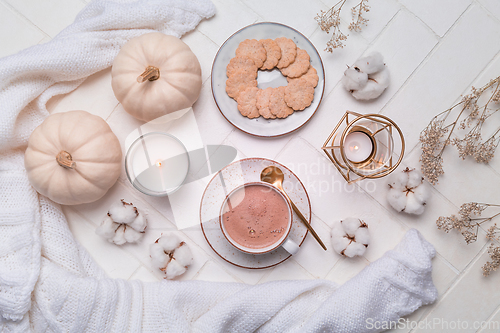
(49, 283)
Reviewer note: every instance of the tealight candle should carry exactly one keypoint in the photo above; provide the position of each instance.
(357, 147)
(157, 164)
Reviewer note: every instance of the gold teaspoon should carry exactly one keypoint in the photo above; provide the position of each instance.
(273, 175)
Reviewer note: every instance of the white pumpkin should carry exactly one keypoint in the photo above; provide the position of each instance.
(73, 158)
(155, 74)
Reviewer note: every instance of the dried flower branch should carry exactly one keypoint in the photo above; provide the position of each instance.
(494, 252)
(437, 135)
(330, 20)
(467, 223)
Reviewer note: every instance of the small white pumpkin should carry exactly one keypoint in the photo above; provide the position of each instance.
(154, 75)
(73, 158)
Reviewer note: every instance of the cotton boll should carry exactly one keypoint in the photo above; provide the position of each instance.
(413, 205)
(402, 179)
(354, 249)
(124, 223)
(353, 79)
(131, 236)
(169, 242)
(337, 229)
(139, 223)
(350, 237)
(107, 228)
(183, 255)
(397, 199)
(370, 64)
(158, 257)
(122, 212)
(119, 237)
(362, 236)
(350, 225)
(174, 269)
(340, 243)
(415, 178)
(422, 192)
(371, 90)
(408, 193)
(171, 255)
(367, 78)
(382, 78)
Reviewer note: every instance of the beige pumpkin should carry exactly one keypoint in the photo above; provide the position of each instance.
(155, 74)
(73, 158)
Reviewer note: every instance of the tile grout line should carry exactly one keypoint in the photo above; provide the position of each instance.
(457, 280)
(486, 9)
(25, 19)
(428, 56)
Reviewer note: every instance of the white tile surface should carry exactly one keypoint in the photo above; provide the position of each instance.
(346, 269)
(435, 51)
(201, 44)
(312, 257)
(26, 34)
(231, 16)
(479, 303)
(430, 12)
(52, 16)
(429, 93)
(102, 102)
(491, 5)
(293, 13)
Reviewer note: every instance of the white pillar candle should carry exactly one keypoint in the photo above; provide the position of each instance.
(158, 162)
(357, 146)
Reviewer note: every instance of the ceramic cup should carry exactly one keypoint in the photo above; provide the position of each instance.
(256, 218)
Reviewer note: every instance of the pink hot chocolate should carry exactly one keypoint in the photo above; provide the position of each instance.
(255, 216)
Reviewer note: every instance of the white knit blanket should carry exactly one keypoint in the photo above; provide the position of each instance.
(49, 283)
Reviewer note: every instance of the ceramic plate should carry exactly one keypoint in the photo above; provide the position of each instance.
(228, 106)
(226, 180)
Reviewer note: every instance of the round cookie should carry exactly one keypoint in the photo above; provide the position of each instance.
(263, 96)
(299, 66)
(288, 51)
(310, 76)
(241, 63)
(277, 103)
(247, 102)
(273, 52)
(299, 94)
(239, 81)
(253, 49)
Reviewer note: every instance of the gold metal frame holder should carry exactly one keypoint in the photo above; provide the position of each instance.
(380, 130)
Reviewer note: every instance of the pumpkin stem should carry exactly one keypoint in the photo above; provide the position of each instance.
(65, 160)
(151, 73)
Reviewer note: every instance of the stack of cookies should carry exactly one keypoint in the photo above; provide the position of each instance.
(253, 55)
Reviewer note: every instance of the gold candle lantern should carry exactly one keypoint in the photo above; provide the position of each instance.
(362, 146)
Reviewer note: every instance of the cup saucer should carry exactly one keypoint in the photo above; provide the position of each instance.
(238, 173)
